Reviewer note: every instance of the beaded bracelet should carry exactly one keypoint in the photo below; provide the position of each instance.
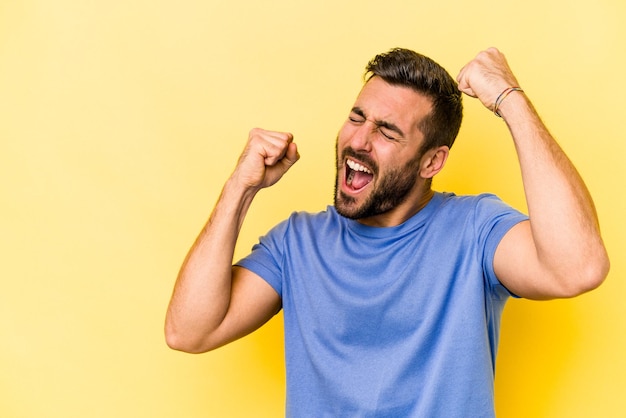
(501, 98)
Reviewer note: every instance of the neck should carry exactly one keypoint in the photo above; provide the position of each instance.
(400, 213)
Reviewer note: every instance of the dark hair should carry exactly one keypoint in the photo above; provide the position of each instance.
(407, 68)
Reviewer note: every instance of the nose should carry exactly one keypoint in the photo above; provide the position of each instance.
(362, 136)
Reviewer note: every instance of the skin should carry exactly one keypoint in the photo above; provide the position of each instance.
(557, 253)
(382, 135)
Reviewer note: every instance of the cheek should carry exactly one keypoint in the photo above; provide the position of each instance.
(344, 133)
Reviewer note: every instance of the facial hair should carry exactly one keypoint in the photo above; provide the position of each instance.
(390, 190)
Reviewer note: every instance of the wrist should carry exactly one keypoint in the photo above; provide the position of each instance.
(238, 188)
(502, 97)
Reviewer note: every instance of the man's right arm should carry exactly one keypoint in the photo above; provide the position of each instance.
(214, 303)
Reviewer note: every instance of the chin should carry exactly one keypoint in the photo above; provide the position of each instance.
(346, 205)
(349, 207)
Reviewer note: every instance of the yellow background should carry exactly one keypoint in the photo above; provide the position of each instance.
(120, 120)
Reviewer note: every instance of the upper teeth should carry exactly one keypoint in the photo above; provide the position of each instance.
(357, 167)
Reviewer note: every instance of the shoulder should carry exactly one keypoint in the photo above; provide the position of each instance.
(300, 222)
(480, 204)
(484, 214)
(450, 204)
(467, 200)
(301, 219)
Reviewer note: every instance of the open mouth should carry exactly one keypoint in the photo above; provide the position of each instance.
(357, 175)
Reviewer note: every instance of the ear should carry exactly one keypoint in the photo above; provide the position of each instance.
(433, 161)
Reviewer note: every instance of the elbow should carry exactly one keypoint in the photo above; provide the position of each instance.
(589, 277)
(178, 342)
(175, 342)
(598, 271)
(185, 342)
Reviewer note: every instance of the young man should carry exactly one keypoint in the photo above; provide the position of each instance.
(392, 297)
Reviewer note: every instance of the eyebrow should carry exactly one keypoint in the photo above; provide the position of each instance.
(387, 125)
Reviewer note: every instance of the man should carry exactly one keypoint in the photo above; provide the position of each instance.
(392, 297)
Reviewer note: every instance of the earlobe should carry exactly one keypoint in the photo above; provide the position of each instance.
(433, 161)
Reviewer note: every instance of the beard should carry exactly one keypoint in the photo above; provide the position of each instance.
(390, 190)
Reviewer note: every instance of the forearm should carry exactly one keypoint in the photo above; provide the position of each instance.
(563, 219)
(202, 292)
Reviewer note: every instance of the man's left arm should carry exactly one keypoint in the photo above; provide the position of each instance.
(559, 251)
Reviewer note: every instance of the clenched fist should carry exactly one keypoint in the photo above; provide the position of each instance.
(486, 76)
(267, 156)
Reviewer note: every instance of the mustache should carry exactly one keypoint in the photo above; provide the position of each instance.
(360, 156)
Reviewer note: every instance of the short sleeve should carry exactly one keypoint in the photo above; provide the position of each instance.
(493, 219)
(266, 257)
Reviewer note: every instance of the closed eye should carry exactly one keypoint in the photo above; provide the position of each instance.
(386, 134)
(355, 119)
(387, 129)
(390, 131)
(357, 116)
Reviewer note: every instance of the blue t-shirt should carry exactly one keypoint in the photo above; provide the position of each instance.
(390, 322)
